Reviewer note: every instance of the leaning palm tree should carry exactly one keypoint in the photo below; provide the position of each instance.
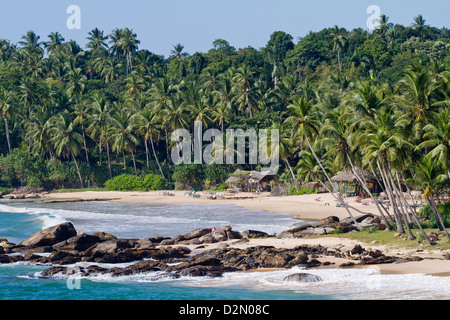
(302, 119)
(66, 139)
(337, 132)
(428, 177)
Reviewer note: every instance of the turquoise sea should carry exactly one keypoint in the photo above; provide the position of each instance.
(21, 281)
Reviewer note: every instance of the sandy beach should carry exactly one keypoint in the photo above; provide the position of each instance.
(304, 207)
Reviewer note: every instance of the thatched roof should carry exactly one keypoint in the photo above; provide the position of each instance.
(312, 185)
(348, 176)
(241, 176)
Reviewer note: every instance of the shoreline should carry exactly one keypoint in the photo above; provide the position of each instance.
(305, 207)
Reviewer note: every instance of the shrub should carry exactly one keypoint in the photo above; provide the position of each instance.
(426, 211)
(129, 182)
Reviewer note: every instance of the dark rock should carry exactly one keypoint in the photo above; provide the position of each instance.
(196, 233)
(78, 243)
(347, 264)
(113, 245)
(303, 277)
(52, 271)
(31, 249)
(145, 244)
(51, 236)
(202, 271)
(103, 236)
(253, 234)
(328, 221)
(167, 242)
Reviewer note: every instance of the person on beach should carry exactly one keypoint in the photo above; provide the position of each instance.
(213, 231)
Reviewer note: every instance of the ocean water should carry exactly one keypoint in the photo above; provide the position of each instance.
(21, 281)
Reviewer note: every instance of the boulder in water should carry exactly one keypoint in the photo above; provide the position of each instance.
(51, 236)
(303, 277)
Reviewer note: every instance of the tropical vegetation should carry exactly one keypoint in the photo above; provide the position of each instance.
(342, 99)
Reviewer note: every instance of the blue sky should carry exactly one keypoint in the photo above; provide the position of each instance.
(197, 23)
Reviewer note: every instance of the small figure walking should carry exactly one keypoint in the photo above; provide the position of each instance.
(213, 231)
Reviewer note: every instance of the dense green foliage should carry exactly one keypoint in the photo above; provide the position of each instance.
(80, 116)
(128, 182)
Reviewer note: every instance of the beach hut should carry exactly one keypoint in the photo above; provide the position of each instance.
(348, 185)
(248, 180)
(314, 185)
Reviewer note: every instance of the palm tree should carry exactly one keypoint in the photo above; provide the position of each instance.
(243, 80)
(419, 25)
(31, 43)
(100, 117)
(428, 177)
(55, 41)
(135, 85)
(123, 138)
(384, 139)
(81, 112)
(178, 51)
(38, 130)
(384, 26)
(124, 43)
(76, 84)
(416, 96)
(437, 135)
(65, 138)
(28, 93)
(7, 110)
(339, 41)
(302, 118)
(108, 67)
(146, 123)
(97, 40)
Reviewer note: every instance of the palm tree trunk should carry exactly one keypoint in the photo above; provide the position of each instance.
(134, 162)
(403, 214)
(292, 173)
(436, 211)
(78, 169)
(7, 135)
(156, 158)
(100, 151)
(391, 198)
(366, 188)
(124, 163)
(109, 159)
(84, 141)
(331, 183)
(146, 153)
(416, 218)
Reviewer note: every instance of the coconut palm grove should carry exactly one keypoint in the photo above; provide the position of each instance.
(102, 116)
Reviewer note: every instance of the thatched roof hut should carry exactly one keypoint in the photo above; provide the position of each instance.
(348, 183)
(249, 177)
(348, 176)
